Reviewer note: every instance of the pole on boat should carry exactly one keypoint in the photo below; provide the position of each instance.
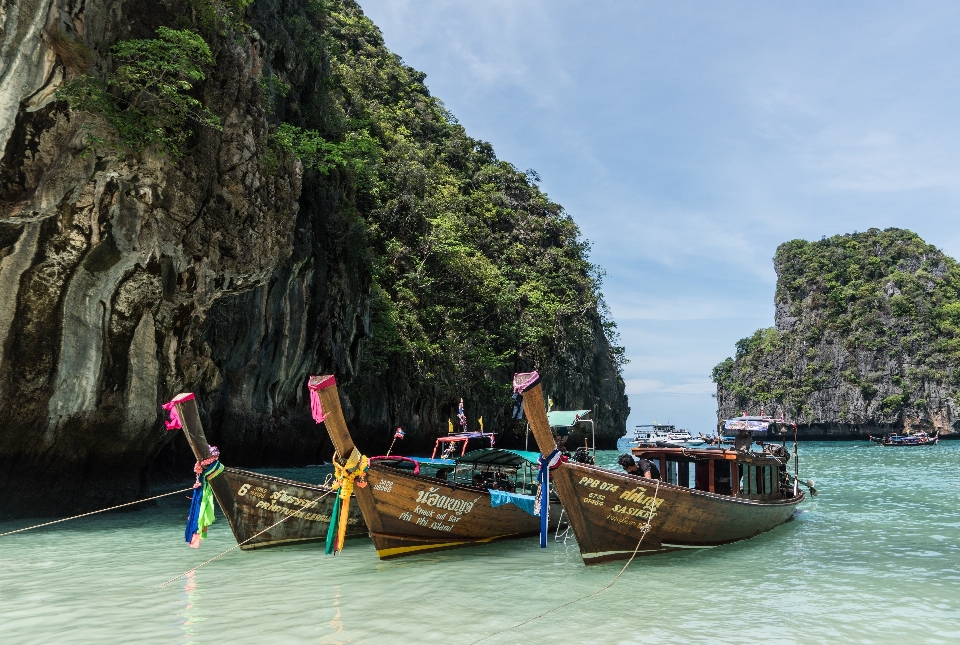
(529, 386)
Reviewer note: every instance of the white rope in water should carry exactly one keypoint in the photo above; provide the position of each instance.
(103, 510)
(643, 533)
(305, 507)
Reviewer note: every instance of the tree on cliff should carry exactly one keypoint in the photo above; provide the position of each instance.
(867, 334)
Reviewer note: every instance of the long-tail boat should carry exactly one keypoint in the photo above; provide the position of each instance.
(920, 438)
(409, 513)
(697, 502)
(262, 510)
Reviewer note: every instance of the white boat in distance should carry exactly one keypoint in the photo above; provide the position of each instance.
(664, 435)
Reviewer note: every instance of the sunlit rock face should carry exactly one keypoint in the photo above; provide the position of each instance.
(867, 339)
(128, 277)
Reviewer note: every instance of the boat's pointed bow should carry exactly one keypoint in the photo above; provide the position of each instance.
(523, 381)
(325, 405)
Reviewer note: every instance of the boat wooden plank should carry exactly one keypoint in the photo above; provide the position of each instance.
(410, 513)
(254, 503)
(608, 509)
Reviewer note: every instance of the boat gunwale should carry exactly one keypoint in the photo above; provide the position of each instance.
(676, 487)
(293, 482)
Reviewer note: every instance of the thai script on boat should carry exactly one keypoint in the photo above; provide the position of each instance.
(596, 483)
(384, 485)
(431, 498)
(639, 496)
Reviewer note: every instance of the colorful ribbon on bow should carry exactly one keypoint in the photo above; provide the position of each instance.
(201, 506)
(543, 499)
(315, 384)
(174, 423)
(344, 477)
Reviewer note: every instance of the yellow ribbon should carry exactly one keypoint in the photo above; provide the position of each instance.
(344, 476)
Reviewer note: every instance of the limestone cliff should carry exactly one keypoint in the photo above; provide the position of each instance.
(867, 339)
(240, 267)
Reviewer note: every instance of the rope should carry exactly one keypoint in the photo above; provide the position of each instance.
(104, 510)
(244, 542)
(643, 533)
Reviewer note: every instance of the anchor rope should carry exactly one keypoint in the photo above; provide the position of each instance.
(643, 533)
(102, 510)
(240, 544)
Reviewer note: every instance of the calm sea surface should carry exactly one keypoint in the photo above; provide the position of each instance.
(873, 559)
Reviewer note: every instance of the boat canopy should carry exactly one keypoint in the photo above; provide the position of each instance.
(566, 418)
(499, 457)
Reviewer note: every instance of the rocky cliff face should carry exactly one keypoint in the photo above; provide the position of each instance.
(866, 339)
(232, 271)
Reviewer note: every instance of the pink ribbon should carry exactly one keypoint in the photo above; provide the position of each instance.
(315, 384)
(171, 407)
(523, 382)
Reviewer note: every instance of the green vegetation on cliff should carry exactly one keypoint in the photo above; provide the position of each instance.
(476, 271)
(868, 332)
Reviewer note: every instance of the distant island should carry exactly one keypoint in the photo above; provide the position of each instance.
(867, 339)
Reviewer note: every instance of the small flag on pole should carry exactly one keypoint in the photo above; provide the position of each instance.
(451, 426)
(481, 423)
(398, 434)
(462, 416)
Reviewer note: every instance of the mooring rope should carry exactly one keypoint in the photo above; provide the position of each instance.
(103, 510)
(305, 507)
(643, 533)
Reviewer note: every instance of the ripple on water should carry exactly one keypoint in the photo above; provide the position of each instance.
(873, 559)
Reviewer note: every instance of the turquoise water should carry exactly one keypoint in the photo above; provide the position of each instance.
(873, 559)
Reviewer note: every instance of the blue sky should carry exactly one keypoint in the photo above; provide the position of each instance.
(688, 140)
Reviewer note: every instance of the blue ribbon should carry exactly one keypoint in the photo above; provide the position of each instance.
(193, 518)
(543, 478)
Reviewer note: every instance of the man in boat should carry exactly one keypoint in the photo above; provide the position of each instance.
(643, 467)
(743, 441)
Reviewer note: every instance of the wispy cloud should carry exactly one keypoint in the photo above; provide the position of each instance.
(689, 140)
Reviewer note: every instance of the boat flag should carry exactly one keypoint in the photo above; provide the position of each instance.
(462, 416)
(450, 430)
(396, 435)
(549, 404)
(480, 420)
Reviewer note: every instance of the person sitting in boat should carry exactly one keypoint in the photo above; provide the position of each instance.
(742, 442)
(583, 456)
(643, 467)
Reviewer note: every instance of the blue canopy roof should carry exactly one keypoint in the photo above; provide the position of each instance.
(500, 457)
(565, 418)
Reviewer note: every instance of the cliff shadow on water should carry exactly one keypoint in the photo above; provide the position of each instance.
(296, 202)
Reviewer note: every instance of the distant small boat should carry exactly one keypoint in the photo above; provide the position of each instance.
(912, 439)
(664, 435)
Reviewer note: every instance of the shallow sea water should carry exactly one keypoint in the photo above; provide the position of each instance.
(874, 559)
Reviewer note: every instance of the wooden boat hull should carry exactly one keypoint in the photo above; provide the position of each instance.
(418, 514)
(254, 505)
(409, 514)
(607, 510)
(610, 510)
(263, 510)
